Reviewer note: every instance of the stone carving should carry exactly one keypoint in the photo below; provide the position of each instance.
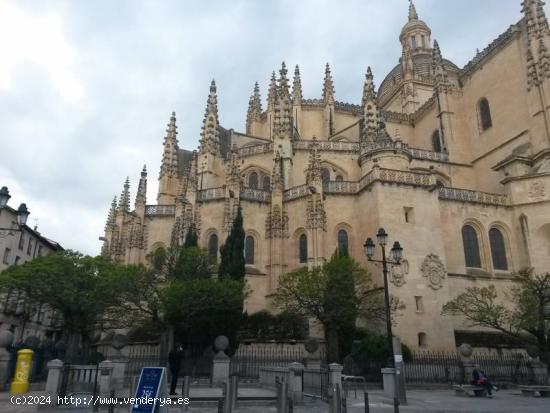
(537, 191)
(276, 223)
(399, 272)
(316, 216)
(433, 269)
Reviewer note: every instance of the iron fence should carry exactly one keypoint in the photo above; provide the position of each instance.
(316, 383)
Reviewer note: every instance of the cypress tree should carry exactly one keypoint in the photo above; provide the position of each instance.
(191, 239)
(232, 252)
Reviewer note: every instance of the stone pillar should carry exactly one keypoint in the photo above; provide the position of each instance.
(106, 368)
(335, 371)
(120, 361)
(55, 368)
(295, 383)
(466, 351)
(6, 338)
(220, 368)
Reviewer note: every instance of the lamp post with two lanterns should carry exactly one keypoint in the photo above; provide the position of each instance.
(395, 259)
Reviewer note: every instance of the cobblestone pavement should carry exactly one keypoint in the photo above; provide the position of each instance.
(420, 401)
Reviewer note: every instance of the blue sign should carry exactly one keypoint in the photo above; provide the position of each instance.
(151, 386)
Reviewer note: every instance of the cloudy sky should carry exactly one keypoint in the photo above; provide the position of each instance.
(87, 87)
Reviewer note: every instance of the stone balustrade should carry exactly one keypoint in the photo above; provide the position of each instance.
(344, 187)
(160, 210)
(477, 197)
(257, 195)
(211, 194)
(254, 150)
(336, 146)
(424, 154)
(296, 192)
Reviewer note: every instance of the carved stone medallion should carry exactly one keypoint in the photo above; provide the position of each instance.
(433, 269)
(399, 272)
(537, 191)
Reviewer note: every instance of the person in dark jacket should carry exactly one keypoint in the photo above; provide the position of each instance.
(174, 361)
(481, 379)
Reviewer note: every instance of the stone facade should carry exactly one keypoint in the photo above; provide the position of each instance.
(17, 247)
(454, 163)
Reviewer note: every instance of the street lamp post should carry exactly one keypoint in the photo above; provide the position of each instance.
(22, 211)
(396, 255)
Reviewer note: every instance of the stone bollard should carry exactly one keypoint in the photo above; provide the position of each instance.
(119, 360)
(295, 383)
(6, 338)
(106, 368)
(466, 351)
(53, 382)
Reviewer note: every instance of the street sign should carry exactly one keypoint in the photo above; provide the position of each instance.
(152, 386)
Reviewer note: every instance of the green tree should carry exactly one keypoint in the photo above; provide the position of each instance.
(522, 311)
(336, 294)
(232, 252)
(82, 290)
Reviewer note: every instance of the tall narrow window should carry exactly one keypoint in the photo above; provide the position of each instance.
(413, 42)
(303, 248)
(343, 246)
(339, 178)
(471, 247)
(21, 241)
(423, 41)
(436, 141)
(422, 340)
(253, 180)
(249, 250)
(485, 114)
(498, 249)
(213, 245)
(29, 247)
(266, 183)
(6, 258)
(325, 176)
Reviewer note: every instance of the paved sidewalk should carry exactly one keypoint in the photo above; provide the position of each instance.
(420, 401)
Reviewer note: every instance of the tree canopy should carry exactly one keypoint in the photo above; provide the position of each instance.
(232, 252)
(521, 311)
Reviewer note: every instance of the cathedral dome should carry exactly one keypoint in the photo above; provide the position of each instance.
(422, 69)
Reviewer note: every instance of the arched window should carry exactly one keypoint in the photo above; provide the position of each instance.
(253, 180)
(422, 340)
(339, 178)
(498, 249)
(343, 246)
(413, 42)
(471, 247)
(266, 183)
(484, 114)
(213, 245)
(303, 248)
(436, 141)
(249, 250)
(325, 176)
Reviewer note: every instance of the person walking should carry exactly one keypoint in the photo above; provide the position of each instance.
(174, 361)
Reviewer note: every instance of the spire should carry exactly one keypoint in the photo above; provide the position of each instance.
(543, 60)
(297, 87)
(313, 172)
(169, 164)
(328, 87)
(284, 88)
(124, 201)
(234, 169)
(369, 95)
(370, 109)
(141, 195)
(438, 71)
(413, 15)
(111, 216)
(254, 108)
(537, 24)
(272, 93)
(210, 142)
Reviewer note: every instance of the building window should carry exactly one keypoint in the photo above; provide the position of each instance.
(253, 180)
(419, 304)
(339, 178)
(325, 176)
(17, 259)
(436, 142)
(40, 250)
(413, 42)
(409, 214)
(6, 258)
(21, 241)
(343, 245)
(249, 250)
(498, 249)
(266, 183)
(422, 340)
(471, 247)
(303, 248)
(485, 114)
(423, 41)
(213, 245)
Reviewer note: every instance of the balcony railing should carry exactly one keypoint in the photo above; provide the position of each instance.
(258, 195)
(211, 194)
(160, 210)
(296, 192)
(465, 195)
